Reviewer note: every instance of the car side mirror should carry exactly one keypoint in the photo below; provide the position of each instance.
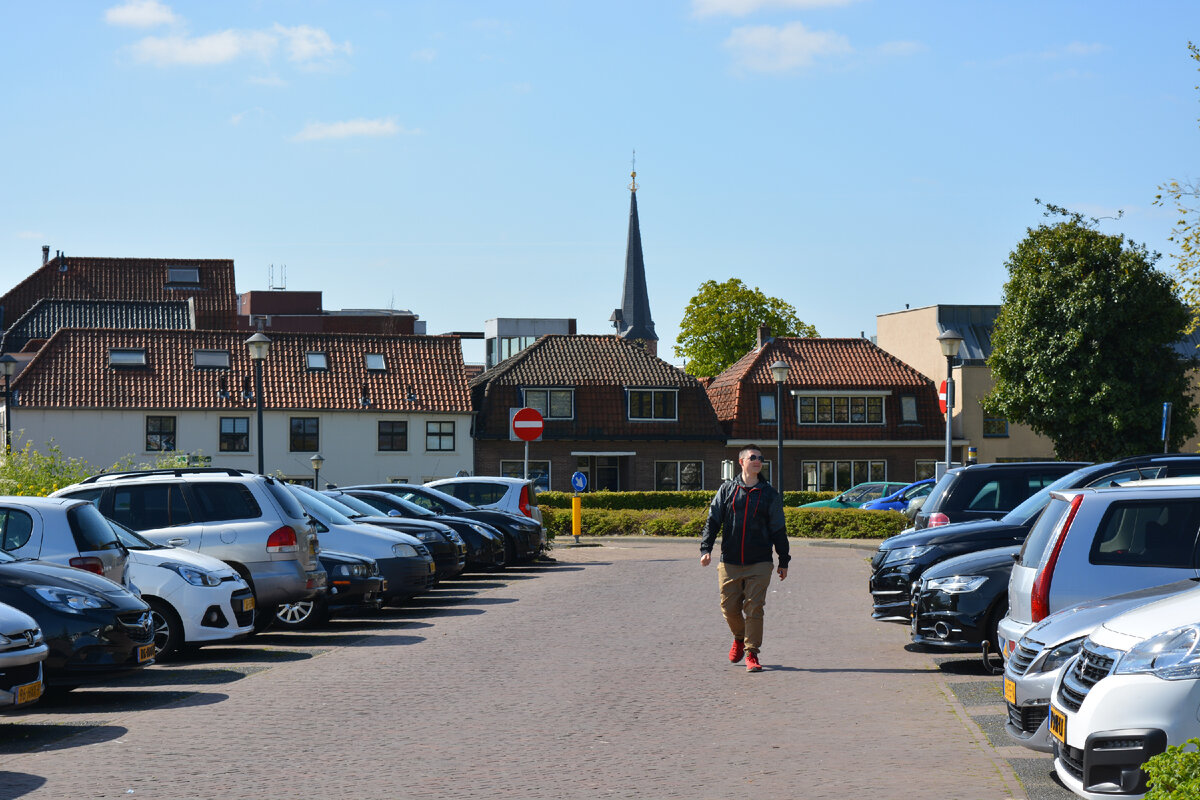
(394, 513)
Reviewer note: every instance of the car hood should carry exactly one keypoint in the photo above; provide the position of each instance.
(1080, 620)
(13, 620)
(955, 532)
(384, 535)
(969, 563)
(492, 517)
(403, 523)
(158, 555)
(1148, 620)
(39, 573)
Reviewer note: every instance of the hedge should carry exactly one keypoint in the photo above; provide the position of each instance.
(804, 523)
(659, 500)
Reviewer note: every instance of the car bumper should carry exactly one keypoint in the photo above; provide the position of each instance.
(950, 621)
(21, 680)
(277, 582)
(1009, 632)
(891, 591)
(92, 652)
(406, 577)
(1027, 700)
(355, 594)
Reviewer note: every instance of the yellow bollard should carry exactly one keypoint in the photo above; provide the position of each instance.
(576, 516)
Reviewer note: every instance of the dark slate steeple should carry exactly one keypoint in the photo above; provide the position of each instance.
(632, 320)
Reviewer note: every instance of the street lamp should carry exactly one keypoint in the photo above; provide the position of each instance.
(780, 370)
(9, 365)
(317, 461)
(950, 341)
(259, 346)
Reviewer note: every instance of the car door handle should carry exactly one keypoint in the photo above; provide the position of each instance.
(178, 542)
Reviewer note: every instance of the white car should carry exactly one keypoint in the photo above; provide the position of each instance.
(194, 599)
(22, 651)
(514, 495)
(1133, 690)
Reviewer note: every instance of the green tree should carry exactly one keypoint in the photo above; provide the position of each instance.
(1185, 196)
(720, 325)
(1082, 351)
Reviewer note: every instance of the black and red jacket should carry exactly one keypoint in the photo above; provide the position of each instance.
(750, 519)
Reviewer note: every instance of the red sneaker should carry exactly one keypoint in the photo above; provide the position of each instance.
(752, 664)
(737, 651)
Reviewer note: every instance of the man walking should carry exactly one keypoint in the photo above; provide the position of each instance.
(749, 514)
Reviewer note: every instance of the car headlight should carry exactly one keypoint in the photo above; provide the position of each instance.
(905, 554)
(956, 584)
(404, 551)
(481, 529)
(453, 536)
(427, 536)
(1171, 655)
(350, 570)
(196, 577)
(1059, 656)
(72, 601)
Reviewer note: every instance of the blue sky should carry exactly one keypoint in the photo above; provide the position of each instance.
(470, 160)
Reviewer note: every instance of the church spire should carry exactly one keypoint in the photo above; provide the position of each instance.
(632, 320)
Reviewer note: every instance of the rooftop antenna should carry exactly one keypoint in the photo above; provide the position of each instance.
(633, 173)
(282, 277)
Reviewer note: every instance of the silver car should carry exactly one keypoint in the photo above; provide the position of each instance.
(64, 531)
(22, 651)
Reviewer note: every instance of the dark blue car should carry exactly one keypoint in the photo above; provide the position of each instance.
(898, 501)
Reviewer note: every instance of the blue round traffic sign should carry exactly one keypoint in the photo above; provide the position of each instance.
(578, 481)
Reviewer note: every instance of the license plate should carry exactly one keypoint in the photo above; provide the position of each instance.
(28, 692)
(1010, 691)
(1058, 725)
(247, 604)
(432, 567)
(145, 653)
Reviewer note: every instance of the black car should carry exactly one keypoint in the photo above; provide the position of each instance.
(987, 491)
(959, 602)
(449, 551)
(95, 628)
(522, 535)
(902, 559)
(355, 585)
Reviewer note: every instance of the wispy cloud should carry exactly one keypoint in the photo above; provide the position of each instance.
(741, 8)
(306, 44)
(29, 235)
(215, 48)
(764, 48)
(318, 131)
(426, 54)
(237, 118)
(140, 14)
(273, 81)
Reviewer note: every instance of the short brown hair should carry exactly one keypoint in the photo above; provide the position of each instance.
(746, 449)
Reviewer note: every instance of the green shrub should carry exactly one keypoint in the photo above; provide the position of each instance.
(805, 523)
(1175, 774)
(648, 500)
(30, 472)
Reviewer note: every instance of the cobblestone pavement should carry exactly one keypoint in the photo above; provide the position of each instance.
(601, 675)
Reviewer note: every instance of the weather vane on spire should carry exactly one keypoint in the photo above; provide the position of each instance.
(633, 173)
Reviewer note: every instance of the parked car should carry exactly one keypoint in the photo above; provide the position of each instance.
(960, 600)
(1096, 542)
(444, 544)
(1039, 657)
(522, 535)
(63, 530)
(901, 560)
(987, 491)
(1129, 694)
(405, 563)
(251, 522)
(514, 495)
(22, 651)
(194, 599)
(856, 496)
(355, 585)
(94, 628)
(900, 499)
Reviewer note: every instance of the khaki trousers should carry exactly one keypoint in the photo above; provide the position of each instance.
(743, 597)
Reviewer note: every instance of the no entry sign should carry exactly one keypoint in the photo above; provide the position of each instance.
(527, 424)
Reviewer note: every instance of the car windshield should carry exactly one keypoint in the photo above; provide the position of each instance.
(916, 491)
(5, 558)
(1033, 505)
(316, 503)
(447, 502)
(360, 508)
(131, 539)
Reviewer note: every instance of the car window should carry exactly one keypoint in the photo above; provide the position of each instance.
(1147, 533)
(986, 497)
(381, 505)
(219, 502)
(131, 540)
(357, 504)
(426, 503)
(478, 494)
(1039, 536)
(16, 527)
(91, 495)
(90, 529)
(1145, 473)
(149, 506)
(870, 493)
(940, 489)
(287, 501)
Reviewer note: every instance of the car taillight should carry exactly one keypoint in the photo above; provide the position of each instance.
(90, 563)
(282, 541)
(524, 502)
(1039, 598)
(938, 518)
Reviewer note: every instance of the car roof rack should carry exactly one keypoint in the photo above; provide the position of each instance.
(176, 472)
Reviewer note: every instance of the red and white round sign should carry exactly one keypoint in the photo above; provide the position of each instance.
(942, 397)
(527, 424)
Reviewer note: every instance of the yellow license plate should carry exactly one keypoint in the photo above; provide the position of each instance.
(145, 653)
(1058, 725)
(27, 693)
(432, 567)
(1010, 691)
(383, 586)
(247, 604)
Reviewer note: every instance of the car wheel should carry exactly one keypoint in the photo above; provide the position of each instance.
(168, 630)
(302, 614)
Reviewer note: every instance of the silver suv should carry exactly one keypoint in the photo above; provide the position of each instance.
(251, 522)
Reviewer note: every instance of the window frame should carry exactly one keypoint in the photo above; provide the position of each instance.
(127, 357)
(316, 360)
(223, 436)
(548, 392)
(652, 391)
(183, 276)
(679, 465)
(379, 366)
(220, 357)
(304, 435)
(379, 436)
(842, 408)
(440, 436)
(994, 434)
(765, 398)
(520, 469)
(169, 447)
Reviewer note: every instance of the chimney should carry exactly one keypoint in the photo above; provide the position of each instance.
(45, 254)
(764, 335)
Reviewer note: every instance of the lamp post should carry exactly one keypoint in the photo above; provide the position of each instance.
(259, 346)
(9, 365)
(317, 460)
(950, 341)
(780, 371)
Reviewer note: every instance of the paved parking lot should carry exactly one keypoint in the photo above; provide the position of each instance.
(600, 675)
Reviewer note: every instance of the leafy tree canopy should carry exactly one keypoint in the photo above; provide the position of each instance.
(1082, 351)
(720, 325)
(1185, 196)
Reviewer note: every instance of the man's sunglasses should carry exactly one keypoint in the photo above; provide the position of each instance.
(754, 458)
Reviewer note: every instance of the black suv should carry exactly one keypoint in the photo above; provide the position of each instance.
(901, 560)
(987, 491)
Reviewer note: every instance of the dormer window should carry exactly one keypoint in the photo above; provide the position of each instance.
(210, 359)
(126, 357)
(375, 362)
(183, 276)
(317, 361)
(653, 404)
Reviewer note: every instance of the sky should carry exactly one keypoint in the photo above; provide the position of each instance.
(471, 160)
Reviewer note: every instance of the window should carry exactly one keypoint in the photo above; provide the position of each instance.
(539, 473)
(924, 468)
(304, 435)
(316, 361)
(393, 435)
(678, 475)
(995, 428)
(824, 409)
(1154, 533)
(837, 476)
(185, 276)
(766, 408)
(16, 528)
(375, 362)
(160, 434)
(210, 359)
(652, 404)
(552, 403)
(218, 502)
(126, 357)
(158, 505)
(439, 436)
(235, 435)
(908, 408)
